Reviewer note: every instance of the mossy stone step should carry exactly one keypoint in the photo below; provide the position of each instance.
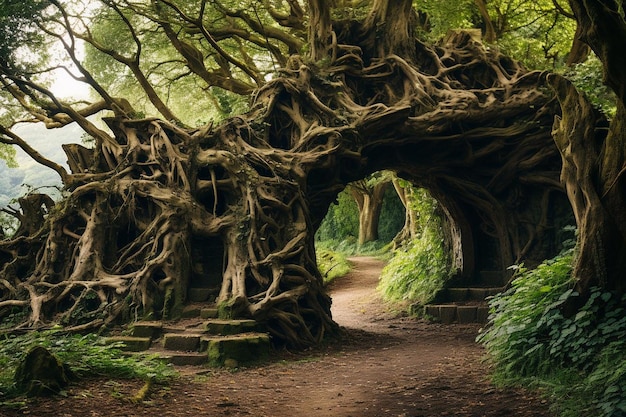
(151, 329)
(237, 349)
(184, 358)
(230, 327)
(191, 311)
(209, 313)
(131, 343)
(182, 342)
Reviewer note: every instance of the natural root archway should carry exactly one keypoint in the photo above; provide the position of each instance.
(468, 123)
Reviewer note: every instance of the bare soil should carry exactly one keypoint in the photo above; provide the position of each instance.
(385, 365)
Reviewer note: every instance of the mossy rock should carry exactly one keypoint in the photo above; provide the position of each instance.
(41, 373)
(242, 348)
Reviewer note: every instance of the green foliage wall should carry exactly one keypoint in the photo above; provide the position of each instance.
(391, 216)
(417, 272)
(579, 359)
(341, 221)
(587, 77)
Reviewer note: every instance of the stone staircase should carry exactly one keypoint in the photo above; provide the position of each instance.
(199, 338)
(466, 304)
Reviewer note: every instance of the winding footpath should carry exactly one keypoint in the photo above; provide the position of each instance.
(384, 366)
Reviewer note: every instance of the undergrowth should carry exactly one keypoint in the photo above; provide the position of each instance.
(418, 270)
(332, 264)
(578, 360)
(86, 355)
(350, 247)
(416, 273)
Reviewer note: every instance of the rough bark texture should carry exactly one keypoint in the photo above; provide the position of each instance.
(594, 153)
(161, 208)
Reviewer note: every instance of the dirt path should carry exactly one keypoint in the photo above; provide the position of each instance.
(385, 366)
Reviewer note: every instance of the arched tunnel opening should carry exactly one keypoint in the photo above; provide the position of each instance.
(482, 230)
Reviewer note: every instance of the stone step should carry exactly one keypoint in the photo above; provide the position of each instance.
(182, 342)
(233, 350)
(209, 313)
(200, 310)
(130, 343)
(196, 342)
(451, 313)
(151, 329)
(181, 358)
(468, 293)
(231, 326)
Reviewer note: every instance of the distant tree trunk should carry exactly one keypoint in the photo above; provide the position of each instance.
(408, 231)
(369, 201)
(489, 34)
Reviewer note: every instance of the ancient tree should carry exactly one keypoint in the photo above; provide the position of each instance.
(155, 205)
(594, 153)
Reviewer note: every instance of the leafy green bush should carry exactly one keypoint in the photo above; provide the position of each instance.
(523, 317)
(417, 272)
(580, 360)
(86, 355)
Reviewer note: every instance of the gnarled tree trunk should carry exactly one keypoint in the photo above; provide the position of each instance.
(594, 154)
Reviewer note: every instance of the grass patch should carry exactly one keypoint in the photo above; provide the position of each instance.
(86, 355)
(332, 264)
(332, 255)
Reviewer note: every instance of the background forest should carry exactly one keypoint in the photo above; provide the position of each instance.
(185, 75)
